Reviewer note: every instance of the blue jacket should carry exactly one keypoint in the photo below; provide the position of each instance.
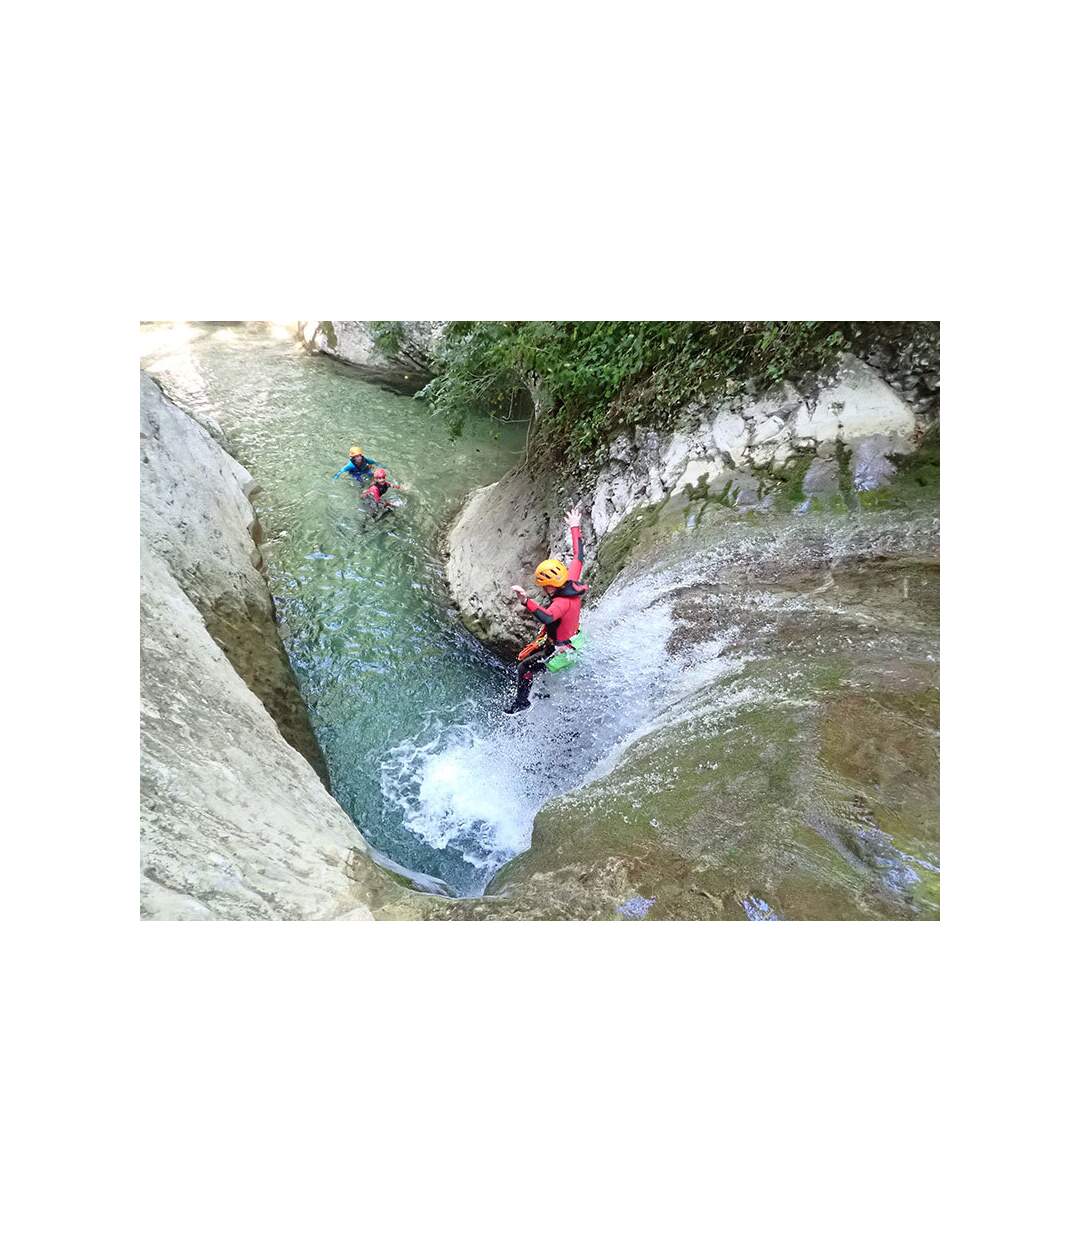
(351, 468)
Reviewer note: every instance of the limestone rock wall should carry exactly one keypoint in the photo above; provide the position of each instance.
(235, 822)
(502, 533)
(740, 447)
(409, 366)
(745, 442)
(196, 514)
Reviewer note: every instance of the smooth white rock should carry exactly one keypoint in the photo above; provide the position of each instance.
(235, 823)
(730, 434)
(858, 403)
(700, 469)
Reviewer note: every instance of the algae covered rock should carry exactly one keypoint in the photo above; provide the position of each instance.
(799, 781)
(822, 478)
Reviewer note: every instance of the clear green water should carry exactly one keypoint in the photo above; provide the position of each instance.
(750, 732)
(370, 631)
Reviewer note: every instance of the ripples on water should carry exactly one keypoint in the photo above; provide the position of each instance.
(405, 704)
(370, 632)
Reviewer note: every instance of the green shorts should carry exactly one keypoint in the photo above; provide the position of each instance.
(563, 657)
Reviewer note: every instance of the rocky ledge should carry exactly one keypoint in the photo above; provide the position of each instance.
(842, 433)
(403, 359)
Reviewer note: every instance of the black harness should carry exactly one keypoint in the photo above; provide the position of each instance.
(570, 589)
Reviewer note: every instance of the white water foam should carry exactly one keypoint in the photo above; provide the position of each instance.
(475, 786)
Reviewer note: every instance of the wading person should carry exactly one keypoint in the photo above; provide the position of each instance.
(376, 493)
(559, 615)
(359, 466)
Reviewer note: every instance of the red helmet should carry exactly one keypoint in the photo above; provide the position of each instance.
(380, 475)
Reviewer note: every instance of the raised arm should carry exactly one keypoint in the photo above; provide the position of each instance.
(573, 521)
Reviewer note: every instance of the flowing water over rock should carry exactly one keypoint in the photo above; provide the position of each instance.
(750, 733)
(790, 767)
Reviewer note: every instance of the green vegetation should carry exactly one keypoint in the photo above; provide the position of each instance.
(388, 334)
(587, 378)
(917, 478)
(847, 484)
(791, 475)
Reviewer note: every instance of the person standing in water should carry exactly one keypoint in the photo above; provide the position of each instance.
(376, 493)
(559, 615)
(359, 466)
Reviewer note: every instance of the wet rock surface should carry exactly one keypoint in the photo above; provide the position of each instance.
(497, 539)
(235, 822)
(797, 775)
(822, 478)
(406, 363)
(847, 432)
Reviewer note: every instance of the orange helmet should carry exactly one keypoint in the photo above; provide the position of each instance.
(551, 575)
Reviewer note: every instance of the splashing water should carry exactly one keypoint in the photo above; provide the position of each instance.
(654, 669)
(724, 615)
(476, 784)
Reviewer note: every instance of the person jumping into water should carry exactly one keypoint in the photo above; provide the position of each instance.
(559, 615)
(376, 493)
(358, 465)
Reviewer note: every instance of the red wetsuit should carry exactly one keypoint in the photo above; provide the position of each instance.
(377, 490)
(561, 615)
